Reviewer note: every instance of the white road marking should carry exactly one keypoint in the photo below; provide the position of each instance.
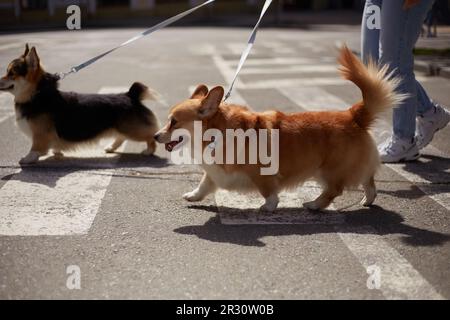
(203, 49)
(224, 68)
(297, 82)
(296, 65)
(294, 82)
(6, 106)
(273, 61)
(227, 71)
(60, 202)
(12, 46)
(292, 69)
(399, 279)
(278, 48)
(319, 99)
(314, 99)
(106, 90)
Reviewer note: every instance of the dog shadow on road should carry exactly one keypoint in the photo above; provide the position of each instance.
(374, 220)
(49, 171)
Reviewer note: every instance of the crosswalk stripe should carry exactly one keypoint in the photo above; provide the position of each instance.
(314, 98)
(12, 46)
(299, 82)
(316, 68)
(57, 201)
(279, 61)
(296, 65)
(283, 83)
(399, 279)
(6, 106)
(319, 99)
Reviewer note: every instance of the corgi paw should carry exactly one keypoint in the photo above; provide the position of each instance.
(268, 207)
(148, 152)
(192, 196)
(367, 202)
(271, 204)
(58, 154)
(30, 158)
(110, 150)
(312, 205)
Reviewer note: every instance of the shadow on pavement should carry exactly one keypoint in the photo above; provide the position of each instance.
(434, 171)
(49, 171)
(381, 221)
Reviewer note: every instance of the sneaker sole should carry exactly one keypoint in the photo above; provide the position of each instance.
(405, 159)
(412, 158)
(432, 136)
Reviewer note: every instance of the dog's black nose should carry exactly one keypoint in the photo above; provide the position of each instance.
(156, 136)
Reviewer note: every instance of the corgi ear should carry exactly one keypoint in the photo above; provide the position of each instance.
(211, 103)
(27, 49)
(200, 92)
(32, 59)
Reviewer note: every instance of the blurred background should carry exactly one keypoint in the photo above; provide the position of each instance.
(51, 13)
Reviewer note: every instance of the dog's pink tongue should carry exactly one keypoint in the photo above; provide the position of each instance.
(171, 145)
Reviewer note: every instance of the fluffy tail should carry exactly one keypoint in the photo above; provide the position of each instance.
(139, 91)
(378, 87)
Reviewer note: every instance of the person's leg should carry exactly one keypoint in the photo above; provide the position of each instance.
(370, 47)
(370, 35)
(424, 103)
(399, 33)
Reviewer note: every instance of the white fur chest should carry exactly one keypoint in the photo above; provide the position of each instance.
(228, 181)
(22, 123)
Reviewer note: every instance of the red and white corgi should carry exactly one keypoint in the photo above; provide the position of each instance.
(333, 147)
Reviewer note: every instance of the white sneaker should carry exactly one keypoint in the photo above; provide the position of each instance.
(398, 150)
(430, 123)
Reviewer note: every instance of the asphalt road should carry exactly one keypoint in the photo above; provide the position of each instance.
(121, 220)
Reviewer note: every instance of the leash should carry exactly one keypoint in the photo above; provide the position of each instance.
(157, 27)
(250, 43)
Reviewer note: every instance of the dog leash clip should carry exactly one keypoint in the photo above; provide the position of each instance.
(227, 96)
(63, 75)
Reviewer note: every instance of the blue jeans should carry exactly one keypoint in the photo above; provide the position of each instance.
(393, 44)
